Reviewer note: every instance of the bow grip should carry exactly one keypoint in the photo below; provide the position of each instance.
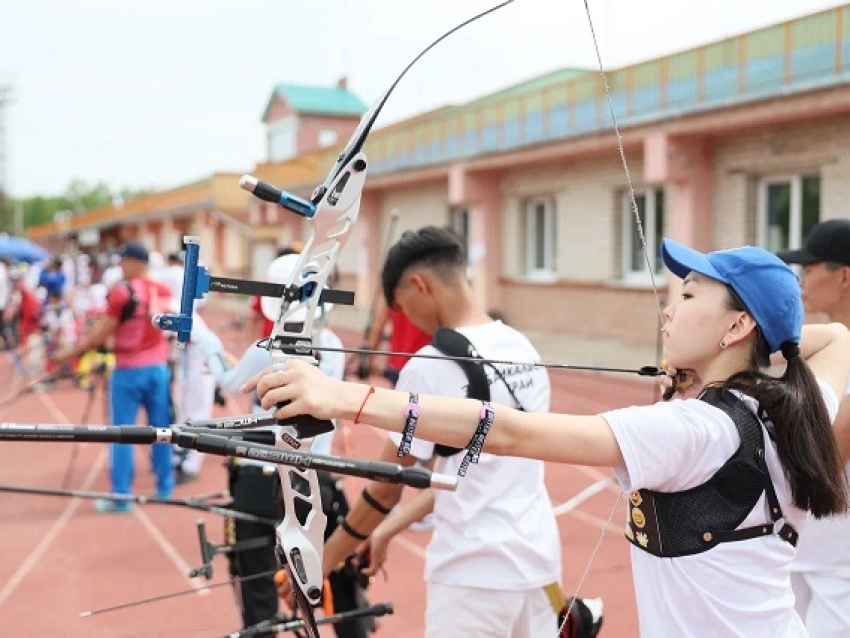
(269, 193)
(306, 426)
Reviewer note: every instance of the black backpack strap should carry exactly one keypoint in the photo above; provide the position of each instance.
(132, 303)
(454, 344)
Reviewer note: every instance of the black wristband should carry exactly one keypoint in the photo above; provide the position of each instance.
(350, 530)
(411, 418)
(374, 503)
(473, 451)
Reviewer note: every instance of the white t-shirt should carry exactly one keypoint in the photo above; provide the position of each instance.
(5, 286)
(737, 588)
(112, 276)
(497, 530)
(817, 547)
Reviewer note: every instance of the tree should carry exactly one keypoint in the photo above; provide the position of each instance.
(6, 213)
(79, 197)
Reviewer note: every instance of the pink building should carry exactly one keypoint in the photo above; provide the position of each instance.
(741, 141)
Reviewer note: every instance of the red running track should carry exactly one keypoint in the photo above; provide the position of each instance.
(59, 558)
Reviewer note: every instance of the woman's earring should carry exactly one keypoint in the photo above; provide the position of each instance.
(723, 344)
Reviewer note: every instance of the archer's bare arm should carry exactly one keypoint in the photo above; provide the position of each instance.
(563, 438)
(362, 517)
(421, 505)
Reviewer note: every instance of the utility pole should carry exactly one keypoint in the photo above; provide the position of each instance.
(5, 199)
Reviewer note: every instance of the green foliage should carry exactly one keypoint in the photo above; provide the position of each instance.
(6, 213)
(79, 197)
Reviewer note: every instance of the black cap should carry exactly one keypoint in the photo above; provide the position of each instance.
(828, 241)
(134, 250)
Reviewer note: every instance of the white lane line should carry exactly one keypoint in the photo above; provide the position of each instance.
(40, 549)
(410, 546)
(54, 410)
(602, 524)
(168, 549)
(587, 493)
(598, 475)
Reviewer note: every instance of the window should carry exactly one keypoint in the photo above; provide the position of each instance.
(282, 137)
(540, 237)
(459, 222)
(788, 208)
(650, 205)
(328, 137)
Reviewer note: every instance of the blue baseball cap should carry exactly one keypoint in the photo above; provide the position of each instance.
(768, 287)
(134, 250)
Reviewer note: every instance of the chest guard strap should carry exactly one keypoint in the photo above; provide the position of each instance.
(672, 524)
(454, 344)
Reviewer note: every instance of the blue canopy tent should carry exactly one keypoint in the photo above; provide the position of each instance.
(21, 249)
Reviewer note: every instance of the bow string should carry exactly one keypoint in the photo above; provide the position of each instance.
(650, 269)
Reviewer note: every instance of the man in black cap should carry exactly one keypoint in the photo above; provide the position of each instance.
(141, 376)
(821, 569)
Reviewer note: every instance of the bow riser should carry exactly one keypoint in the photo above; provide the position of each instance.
(301, 533)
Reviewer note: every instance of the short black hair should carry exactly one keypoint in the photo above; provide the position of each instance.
(430, 246)
(288, 250)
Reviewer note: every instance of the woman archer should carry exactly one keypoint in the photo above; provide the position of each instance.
(719, 485)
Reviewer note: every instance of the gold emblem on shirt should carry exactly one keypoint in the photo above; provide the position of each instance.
(638, 517)
(643, 539)
(635, 498)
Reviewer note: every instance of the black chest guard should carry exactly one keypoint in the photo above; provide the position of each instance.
(672, 524)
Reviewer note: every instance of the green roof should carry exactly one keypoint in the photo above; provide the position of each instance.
(317, 100)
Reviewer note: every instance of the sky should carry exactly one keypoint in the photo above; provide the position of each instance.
(155, 93)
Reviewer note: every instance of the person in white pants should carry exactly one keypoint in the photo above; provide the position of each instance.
(193, 384)
(193, 394)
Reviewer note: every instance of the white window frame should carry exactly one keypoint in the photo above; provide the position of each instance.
(549, 271)
(795, 216)
(283, 139)
(629, 229)
(327, 137)
(460, 221)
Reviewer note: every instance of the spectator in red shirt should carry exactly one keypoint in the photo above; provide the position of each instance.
(25, 307)
(141, 376)
(405, 337)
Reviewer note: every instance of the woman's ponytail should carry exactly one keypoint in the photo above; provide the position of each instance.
(803, 432)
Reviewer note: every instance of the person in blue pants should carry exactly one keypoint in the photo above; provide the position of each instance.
(141, 377)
